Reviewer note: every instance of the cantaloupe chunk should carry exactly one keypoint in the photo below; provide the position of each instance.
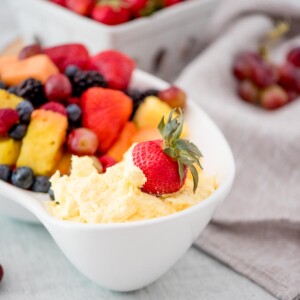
(42, 145)
(39, 67)
(145, 134)
(9, 151)
(8, 100)
(124, 141)
(6, 61)
(63, 165)
(150, 113)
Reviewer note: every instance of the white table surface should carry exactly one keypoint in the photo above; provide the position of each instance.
(35, 269)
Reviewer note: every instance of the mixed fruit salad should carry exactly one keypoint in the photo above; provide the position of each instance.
(114, 12)
(156, 178)
(61, 101)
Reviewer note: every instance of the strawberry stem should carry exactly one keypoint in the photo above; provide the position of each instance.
(183, 151)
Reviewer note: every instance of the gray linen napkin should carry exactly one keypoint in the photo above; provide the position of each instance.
(257, 229)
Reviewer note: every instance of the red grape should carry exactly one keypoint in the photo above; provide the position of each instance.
(58, 88)
(294, 56)
(264, 74)
(290, 77)
(173, 96)
(30, 50)
(248, 91)
(1, 272)
(243, 64)
(82, 141)
(273, 97)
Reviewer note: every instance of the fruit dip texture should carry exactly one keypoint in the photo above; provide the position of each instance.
(115, 196)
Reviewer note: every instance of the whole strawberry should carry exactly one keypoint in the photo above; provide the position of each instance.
(165, 162)
(8, 117)
(111, 13)
(115, 67)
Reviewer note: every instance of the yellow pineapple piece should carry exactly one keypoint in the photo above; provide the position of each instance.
(9, 151)
(8, 100)
(64, 164)
(150, 113)
(42, 145)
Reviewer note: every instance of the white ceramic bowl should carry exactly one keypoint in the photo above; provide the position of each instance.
(129, 256)
(161, 44)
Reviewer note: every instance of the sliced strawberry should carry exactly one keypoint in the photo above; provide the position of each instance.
(105, 111)
(116, 68)
(69, 54)
(8, 117)
(55, 106)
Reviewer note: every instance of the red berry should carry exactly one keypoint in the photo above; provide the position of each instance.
(110, 15)
(82, 141)
(289, 77)
(1, 273)
(273, 97)
(173, 96)
(116, 68)
(248, 91)
(160, 169)
(8, 117)
(81, 7)
(107, 161)
(243, 64)
(58, 88)
(30, 50)
(56, 107)
(294, 56)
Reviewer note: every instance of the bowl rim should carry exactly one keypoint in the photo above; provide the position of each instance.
(223, 189)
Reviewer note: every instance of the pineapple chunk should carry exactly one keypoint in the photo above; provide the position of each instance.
(8, 100)
(150, 113)
(42, 145)
(9, 151)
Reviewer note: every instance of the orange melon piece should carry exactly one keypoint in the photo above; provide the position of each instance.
(6, 61)
(124, 141)
(39, 67)
(145, 134)
(42, 145)
(64, 164)
(8, 100)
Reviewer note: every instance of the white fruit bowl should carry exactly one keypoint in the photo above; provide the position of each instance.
(161, 44)
(129, 256)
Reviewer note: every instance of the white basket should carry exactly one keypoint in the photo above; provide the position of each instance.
(161, 44)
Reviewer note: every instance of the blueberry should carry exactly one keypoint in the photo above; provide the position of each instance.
(74, 112)
(22, 177)
(51, 194)
(13, 90)
(41, 184)
(2, 85)
(18, 131)
(71, 70)
(24, 109)
(5, 173)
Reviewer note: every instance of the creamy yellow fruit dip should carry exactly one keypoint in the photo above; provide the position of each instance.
(115, 196)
